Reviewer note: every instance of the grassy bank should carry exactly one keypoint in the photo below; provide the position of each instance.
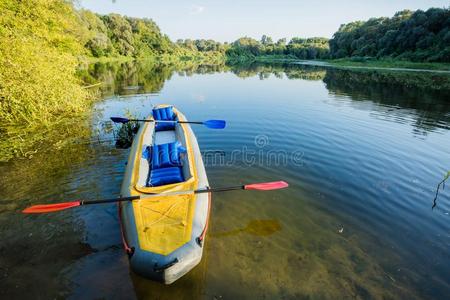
(347, 62)
(205, 57)
(388, 63)
(260, 58)
(344, 62)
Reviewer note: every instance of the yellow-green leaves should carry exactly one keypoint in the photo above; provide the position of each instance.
(39, 44)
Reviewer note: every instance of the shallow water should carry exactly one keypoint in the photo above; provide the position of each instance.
(362, 151)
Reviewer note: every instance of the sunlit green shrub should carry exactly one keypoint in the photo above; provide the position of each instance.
(39, 44)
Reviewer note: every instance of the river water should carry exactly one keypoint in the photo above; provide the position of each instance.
(363, 152)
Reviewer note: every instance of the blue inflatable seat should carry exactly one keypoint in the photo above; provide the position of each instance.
(164, 114)
(166, 155)
(165, 176)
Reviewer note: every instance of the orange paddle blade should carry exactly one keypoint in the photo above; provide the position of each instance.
(267, 186)
(46, 208)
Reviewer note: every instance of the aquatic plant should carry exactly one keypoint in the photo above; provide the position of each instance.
(125, 134)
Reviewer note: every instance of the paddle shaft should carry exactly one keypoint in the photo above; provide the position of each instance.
(122, 199)
(213, 124)
(221, 189)
(162, 121)
(112, 200)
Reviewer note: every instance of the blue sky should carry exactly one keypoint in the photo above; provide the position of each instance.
(228, 20)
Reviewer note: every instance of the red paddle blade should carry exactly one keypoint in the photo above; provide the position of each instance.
(267, 186)
(46, 208)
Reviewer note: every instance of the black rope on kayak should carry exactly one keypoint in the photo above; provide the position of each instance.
(166, 266)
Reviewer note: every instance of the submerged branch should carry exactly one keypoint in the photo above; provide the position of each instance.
(438, 187)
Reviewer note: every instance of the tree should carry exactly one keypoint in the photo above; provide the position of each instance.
(266, 40)
(417, 36)
(98, 42)
(119, 31)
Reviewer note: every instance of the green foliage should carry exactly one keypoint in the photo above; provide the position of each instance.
(119, 31)
(389, 63)
(310, 48)
(98, 43)
(248, 49)
(114, 35)
(126, 134)
(415, 36)
(39, 41)
(201, 45)
(147, 38)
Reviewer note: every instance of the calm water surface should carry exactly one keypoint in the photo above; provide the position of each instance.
(363, 152)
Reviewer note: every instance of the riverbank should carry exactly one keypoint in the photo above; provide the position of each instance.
(247, 59)
(199, 57)
(394, 65)
(389, 64)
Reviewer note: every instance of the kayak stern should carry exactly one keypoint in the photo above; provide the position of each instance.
(169, 268)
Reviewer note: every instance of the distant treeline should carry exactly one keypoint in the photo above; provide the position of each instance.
(113, 34)
(416, 36)
(247, 48)
(310, 48)
(420, 36)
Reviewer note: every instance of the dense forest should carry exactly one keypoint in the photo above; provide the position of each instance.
(416, 36)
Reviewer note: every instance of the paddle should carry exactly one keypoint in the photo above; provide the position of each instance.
(46, 208)
(213, 124)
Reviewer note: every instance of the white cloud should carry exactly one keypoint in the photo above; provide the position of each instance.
(196, 9)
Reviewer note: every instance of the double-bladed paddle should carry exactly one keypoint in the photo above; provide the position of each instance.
(213, 124)
(46, 208)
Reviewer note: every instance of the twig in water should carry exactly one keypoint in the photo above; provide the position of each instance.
(438, 187)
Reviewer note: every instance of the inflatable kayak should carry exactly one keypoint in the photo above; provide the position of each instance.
(164, 235)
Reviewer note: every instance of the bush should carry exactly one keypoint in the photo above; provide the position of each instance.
(39, 41)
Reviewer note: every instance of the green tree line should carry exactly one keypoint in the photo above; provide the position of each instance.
(422, 36)
(301, 48)
(416, 36)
